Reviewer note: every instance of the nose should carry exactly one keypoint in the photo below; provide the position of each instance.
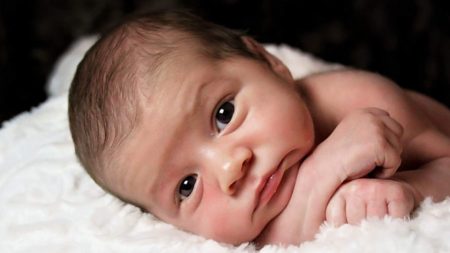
(230, 167)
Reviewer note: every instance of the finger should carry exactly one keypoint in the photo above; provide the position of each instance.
(389, 122)
(355, 209)
(394, 141)
(377, 111)
(393, 125)
(377, 209)
(335, 212)
(398, 209)
(389, 160)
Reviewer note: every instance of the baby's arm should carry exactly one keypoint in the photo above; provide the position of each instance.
(366, 139)
(430, 180)
(364, 198)
(333, 97)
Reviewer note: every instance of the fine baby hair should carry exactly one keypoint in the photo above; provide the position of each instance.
(208, 131)
(103, 109)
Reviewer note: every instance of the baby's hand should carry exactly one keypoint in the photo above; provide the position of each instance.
(364, 198)
(365, 140)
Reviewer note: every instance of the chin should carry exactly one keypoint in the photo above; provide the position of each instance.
(236, 238)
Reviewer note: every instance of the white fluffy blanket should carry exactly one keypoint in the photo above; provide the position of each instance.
(49, 204)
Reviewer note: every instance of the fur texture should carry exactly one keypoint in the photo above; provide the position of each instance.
(49, 204)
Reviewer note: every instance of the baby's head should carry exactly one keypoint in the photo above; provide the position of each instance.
(192, 122)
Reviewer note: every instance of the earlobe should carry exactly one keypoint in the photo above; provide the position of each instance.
(277, 66)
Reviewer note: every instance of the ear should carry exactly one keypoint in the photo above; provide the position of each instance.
(275, 64)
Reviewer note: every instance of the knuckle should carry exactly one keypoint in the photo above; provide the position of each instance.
(360, 187)
(380, 143)
(375, 127)
(397, 160)
(399, 193)
(401, 128)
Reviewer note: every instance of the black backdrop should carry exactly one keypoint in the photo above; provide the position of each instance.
(406, 40)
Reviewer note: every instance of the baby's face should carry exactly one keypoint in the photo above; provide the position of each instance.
(218, 148)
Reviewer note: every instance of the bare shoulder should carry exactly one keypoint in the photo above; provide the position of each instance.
(351, 89)
(438, 113)
(343, 91)
(333, 95)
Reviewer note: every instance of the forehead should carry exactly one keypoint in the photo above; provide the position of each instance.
(163, 65)
(168, 104)
(182, 74)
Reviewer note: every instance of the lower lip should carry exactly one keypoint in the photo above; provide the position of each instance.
(271, 187)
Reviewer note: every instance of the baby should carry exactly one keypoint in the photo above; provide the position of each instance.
(202, 127)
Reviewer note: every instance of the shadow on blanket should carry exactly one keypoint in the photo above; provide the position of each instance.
(49, 204)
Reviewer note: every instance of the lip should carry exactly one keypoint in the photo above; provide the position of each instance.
(270, 182)
(269, 186)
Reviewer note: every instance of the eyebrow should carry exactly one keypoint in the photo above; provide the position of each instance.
(159, 185)
(196, 100)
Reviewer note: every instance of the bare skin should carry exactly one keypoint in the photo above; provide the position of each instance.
(277, 164)
(423, 148)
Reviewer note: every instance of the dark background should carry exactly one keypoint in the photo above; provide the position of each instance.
(405, 40)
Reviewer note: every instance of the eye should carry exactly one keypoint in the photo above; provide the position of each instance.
(224, 114)
(186, 187)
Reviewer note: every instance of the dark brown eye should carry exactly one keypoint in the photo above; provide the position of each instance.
(224, 114)
(187, 186)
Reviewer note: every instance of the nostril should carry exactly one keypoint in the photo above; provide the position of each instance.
(245, 164)
(235, 172)
(232, 187)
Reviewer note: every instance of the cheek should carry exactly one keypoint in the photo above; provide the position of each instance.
(290, 122)
(214, 207)
(223, 220)
(299, 124)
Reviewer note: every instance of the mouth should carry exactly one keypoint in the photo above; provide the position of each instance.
(270, 183)
(269, 186)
